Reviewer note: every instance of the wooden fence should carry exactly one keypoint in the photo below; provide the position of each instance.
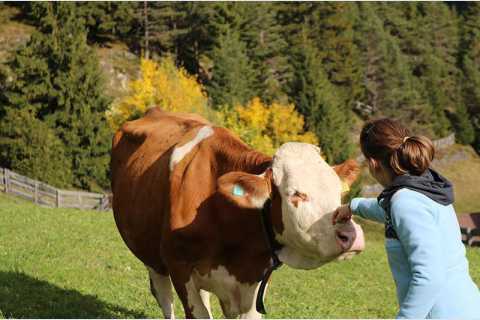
(46, 195)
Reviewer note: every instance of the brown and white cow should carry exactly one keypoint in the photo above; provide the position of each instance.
(188, 198)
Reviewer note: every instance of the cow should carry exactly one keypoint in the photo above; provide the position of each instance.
(190, 201)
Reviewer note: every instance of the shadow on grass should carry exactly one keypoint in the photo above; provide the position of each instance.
(22, 296)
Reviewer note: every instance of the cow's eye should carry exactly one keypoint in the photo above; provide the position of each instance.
(301, 195)
(298, 197)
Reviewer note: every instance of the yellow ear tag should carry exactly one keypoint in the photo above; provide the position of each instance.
(345, 187)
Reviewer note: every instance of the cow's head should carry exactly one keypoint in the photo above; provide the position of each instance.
(309, 191)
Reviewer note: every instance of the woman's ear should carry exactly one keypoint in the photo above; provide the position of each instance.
(244, 189)
(372, 163)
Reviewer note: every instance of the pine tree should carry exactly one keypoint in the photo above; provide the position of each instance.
(371, 40)
(333, 35)
(386, 75)
(318, 100)
(31, 148)
(435, 89)
(104, 21)
(57, 77)
(166, 25)
(266, 48)
(438, 69)
(389, 85)
(232, 72)
(107, 20)
(465, 131)
(198, 40)
(470, 65)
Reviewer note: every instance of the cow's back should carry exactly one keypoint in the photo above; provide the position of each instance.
(140, 178)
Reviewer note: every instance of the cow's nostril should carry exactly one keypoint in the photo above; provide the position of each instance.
(343, 237)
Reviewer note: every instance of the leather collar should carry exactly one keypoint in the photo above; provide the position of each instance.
(273, 246)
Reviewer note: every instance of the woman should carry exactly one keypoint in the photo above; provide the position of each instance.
(423, 241)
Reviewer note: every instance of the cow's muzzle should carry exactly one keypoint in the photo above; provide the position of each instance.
(349, 237)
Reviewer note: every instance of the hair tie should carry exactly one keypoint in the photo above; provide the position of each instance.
(405, 139)
(367, 132)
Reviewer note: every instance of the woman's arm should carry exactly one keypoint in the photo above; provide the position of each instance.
(420, 237)
(367, 208)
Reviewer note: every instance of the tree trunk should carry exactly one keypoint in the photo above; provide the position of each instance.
(145, 25)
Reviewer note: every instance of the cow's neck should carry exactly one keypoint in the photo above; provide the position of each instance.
(234, 155)
(252, 161)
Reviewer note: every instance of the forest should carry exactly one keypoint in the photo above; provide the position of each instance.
(270, 71)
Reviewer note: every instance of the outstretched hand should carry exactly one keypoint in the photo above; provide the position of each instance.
(342, 214)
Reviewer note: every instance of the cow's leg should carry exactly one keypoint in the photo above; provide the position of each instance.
(241, 302)
(248, 303)
(228, 311)
(161, 287)
(191, 297)
(205, 296)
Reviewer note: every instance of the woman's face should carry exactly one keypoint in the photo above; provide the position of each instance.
(379, 172)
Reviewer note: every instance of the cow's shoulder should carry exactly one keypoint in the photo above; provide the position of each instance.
(156, 123)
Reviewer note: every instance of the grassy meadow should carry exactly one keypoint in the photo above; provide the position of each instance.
(65, 263)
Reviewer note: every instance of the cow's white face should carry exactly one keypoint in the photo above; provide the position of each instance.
(310, 190)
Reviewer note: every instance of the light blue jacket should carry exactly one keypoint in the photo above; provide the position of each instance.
(428, 261)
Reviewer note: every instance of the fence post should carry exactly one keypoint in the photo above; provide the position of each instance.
(3, 179)
(79, 198)
(36, 192)
(57, 200)
(103, 203)
(6, 179)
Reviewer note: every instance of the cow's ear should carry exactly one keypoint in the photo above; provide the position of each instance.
(244, 189)
(348, 173)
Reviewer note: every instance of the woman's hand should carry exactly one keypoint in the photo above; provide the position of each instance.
(342, 214)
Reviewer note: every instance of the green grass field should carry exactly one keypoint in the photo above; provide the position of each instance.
(59, 263)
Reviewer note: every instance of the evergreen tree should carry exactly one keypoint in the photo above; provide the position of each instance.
(389, 86)
(439, 73)
(371, 40)
(104, 21)
(470, 64)
(436, 92)
(333, 35)
(31, 148)
(165, 26)
(57, 77)
(232, 74)
(107, 20)
(401, 99)
(295, 19)
(318, 100)
(465, 132)
(266, 48)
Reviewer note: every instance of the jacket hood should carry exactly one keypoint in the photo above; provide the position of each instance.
(430, 183)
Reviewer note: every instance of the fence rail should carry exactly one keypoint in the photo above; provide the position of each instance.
(46, 195)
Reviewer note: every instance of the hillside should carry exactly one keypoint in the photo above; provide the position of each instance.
(119, 65)
(461, 164)
(116, 61)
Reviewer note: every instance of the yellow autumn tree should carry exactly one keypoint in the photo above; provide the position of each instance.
(160, 84)
(266, 127)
